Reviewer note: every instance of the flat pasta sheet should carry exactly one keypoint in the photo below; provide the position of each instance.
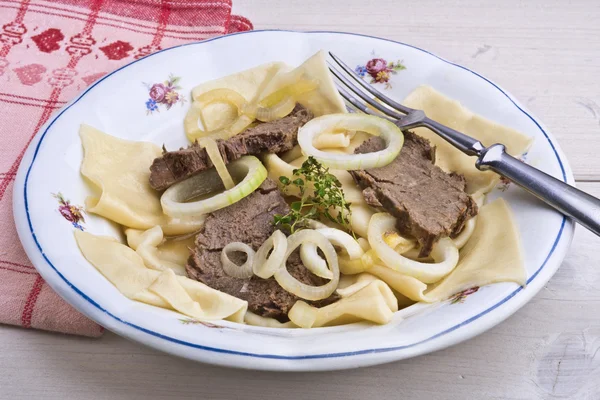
(125, 269)
(119, 171)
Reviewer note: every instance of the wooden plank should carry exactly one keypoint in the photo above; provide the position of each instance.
(548, 349)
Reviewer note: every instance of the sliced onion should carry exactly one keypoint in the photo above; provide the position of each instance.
(465, 234)
(304, 291)
(243, 271)
(266, 114)
(444, 253)
(344, 240)
(266, 265)
(391, 134)
(215, 157)
(313, 262)
(173, 199)
(190, 123)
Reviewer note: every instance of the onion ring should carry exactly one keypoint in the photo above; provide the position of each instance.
(391, 134)
(444, 253)
(304, 291)
(173, 199)
(264, 267)
(243, 271)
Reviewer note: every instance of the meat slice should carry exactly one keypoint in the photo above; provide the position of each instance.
(272, 137)
(427, 202)
(248, 221)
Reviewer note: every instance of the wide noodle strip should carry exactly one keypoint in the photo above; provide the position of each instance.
(119, 171)
(125, 269)
(170, 253)
(256, 320)
(375, 303)
(451, 113)
(146, 246)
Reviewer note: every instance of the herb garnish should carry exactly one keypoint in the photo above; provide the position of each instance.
(327, 196)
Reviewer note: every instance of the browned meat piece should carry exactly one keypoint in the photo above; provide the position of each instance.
(427, 202)
(272, 137)
(248, 221)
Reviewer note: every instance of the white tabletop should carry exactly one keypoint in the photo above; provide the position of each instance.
(547, 53)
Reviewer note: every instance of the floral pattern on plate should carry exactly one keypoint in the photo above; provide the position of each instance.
(504, 183)
(165, 94)
(70, 212)
(461, 296)
(193, 321)
(380, 70)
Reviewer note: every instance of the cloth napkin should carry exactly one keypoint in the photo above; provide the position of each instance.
(49, 52)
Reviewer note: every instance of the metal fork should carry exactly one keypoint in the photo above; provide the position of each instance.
(570, 201)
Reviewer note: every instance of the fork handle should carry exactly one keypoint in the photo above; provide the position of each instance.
(570, 201)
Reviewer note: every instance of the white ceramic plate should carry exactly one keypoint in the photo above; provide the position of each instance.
(118, 104)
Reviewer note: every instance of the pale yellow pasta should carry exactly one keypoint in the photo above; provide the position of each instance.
(352, 193)
(328, 140)
(492, 254)
(361, 215)
(119, 170)
(325, 99)
(375, 303)
(258, 82)
(168, 288)
(357, 282)
(451, 113)
(406, 285)
(125, 269)
(147, 243)
(247, 83)
(175, 250)
(256, 320)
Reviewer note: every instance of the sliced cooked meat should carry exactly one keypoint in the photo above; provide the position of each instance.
(248, 221)
(272, 137)
(427, 202)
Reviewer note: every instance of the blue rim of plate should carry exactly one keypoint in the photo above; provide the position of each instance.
(275, 356)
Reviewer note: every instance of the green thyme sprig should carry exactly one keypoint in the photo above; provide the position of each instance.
(320, 194)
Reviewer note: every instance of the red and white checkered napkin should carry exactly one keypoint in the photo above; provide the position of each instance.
(50, 50)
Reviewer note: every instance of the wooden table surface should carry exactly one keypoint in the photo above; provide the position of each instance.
(547, 53)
